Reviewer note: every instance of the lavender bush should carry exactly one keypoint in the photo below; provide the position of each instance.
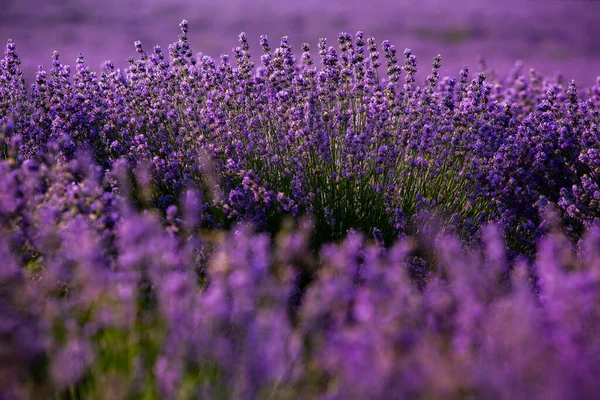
(187, 228)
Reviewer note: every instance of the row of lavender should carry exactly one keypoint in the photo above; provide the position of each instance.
(161, 320)
(335, 141)
(130, 268)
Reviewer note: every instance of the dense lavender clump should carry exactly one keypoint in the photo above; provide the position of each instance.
(216, 317)
(189, 228)
(334, 141)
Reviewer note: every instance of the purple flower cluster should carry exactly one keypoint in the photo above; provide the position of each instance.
(337, 141)
(215, 315)
(166, 231)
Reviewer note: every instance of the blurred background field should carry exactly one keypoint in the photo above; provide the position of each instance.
(549, 36)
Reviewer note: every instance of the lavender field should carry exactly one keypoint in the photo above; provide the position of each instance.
(552, 36)
(315, 216)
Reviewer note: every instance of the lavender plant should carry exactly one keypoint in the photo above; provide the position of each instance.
(189, 228)
(137, 322)
(334, 141)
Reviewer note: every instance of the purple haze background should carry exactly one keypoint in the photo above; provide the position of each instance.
(549, 36)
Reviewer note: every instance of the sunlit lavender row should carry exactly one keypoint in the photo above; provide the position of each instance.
(321, 227)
